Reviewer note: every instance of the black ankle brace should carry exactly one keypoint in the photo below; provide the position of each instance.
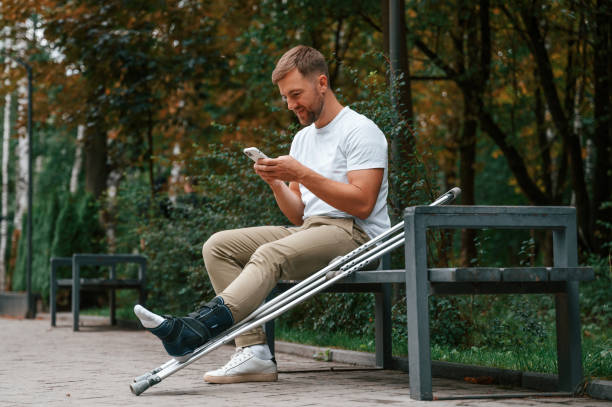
(214, 316)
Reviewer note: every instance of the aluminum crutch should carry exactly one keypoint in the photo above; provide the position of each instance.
(302, 291)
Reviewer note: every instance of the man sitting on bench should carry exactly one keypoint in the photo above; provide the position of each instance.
(336, 196)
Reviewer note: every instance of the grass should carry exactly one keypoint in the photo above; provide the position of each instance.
(122, 313)
(542, 358)
(538, 356)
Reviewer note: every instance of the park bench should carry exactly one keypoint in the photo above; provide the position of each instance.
(111, 283)
(561, 280)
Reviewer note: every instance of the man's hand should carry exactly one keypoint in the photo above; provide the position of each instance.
(357, 197)
(288, 198)
(284, 168)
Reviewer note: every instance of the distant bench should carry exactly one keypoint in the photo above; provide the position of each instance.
(112, 283)
(561, 280)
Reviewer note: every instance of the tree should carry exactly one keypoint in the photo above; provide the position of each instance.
(6, 135)
(528, 19)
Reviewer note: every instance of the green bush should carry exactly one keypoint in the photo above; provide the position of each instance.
(171, 234)
(62, 225)
(233, 196)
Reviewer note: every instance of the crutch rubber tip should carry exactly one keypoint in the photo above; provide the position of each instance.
(143, 377)
(139, 387)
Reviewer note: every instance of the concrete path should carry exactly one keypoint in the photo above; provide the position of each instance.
(44, 366)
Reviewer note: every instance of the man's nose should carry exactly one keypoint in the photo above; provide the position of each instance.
(291, 104)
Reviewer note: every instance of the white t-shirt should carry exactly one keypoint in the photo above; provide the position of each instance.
(349, 142)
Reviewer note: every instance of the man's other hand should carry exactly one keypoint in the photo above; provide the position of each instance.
(283, 168)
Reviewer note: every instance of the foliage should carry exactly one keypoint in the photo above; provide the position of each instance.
(333, 313)
(596, 295)
(62, 224)
(540, 356)
(170, 232)
(184, 85)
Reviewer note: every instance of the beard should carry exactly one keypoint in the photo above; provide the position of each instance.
(312, 114)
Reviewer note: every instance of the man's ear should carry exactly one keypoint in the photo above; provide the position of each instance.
(322, 82)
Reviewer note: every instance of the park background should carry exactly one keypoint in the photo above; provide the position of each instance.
(142, 108)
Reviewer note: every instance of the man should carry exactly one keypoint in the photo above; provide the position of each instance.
(332, 186)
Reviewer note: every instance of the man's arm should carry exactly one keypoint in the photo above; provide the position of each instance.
(356, 198)
(288, 198)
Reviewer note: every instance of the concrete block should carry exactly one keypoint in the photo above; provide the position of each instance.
(14, 304)
(600, 389)
(540, 381)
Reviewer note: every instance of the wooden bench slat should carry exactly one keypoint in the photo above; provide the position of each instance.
(510, 274)
(103, 283)
(535, 274)
(462, 274)
(571, 274)
(472, 274)
(376, 276)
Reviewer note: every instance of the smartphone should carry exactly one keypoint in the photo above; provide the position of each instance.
(254, 154)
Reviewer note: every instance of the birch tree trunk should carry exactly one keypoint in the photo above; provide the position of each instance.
(109, 215)
(6, 135)
(21, 155)
(21, 173)
(175, 174)
(78, 160)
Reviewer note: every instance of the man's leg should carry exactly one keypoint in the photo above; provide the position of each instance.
(293, 257)
(224, 253)
(296, 256)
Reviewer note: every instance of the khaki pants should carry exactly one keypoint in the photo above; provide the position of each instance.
(244, 265)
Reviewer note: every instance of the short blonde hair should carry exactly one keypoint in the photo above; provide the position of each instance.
(306, 59)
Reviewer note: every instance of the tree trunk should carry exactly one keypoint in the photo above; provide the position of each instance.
(561, 122)
(467, 174)
(384, 20)
(21, 173)
(403, 142)
(475, 68)
(96, 169)
(402, 72)
(602, 137)
(21, 156)
(6, 135)
(490, 126)
(543, 144)
(109, 218)
(467, 143)
(150, 151)
(177, 179)
(78, 160)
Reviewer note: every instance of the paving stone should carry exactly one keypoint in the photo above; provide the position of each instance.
(94, 367)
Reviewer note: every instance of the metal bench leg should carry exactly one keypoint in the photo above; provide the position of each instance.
(76, 294)
(142, 272)
(569, 349)
(417, 297)
(53, 294)
(269, 327)
(567, 308)
(383, 327)
(112, 299)
(112, 304)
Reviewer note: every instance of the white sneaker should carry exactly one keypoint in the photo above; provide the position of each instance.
(244, 366)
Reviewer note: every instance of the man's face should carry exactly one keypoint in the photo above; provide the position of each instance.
(304, 96)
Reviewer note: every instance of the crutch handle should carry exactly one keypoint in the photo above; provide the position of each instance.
(447, 197)
(456, 191)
